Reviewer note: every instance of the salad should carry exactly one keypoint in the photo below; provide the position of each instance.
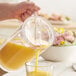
(64, 37)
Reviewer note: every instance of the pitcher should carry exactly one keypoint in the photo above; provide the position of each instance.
(35, 33)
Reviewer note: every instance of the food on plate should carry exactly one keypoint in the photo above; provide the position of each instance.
(44, 15)
(56, 18)
(64, 37)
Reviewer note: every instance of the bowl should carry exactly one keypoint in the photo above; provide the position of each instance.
(63, 53)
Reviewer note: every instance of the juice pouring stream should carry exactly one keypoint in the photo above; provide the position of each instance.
(43, 44)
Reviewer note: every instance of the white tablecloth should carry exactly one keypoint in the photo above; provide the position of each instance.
(61, 69)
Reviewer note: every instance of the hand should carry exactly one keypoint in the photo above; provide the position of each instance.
(19, 11)
(24, 10)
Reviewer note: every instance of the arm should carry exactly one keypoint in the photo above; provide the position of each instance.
(6, 11)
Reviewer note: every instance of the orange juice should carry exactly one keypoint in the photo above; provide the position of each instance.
(36, 71)
(39, 73)
(38, 53)
(13, 56)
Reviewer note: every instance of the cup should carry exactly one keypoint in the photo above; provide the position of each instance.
(43, 69)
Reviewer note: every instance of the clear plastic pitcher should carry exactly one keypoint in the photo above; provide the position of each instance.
(35, 33)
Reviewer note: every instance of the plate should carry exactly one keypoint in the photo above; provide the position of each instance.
(60, 22)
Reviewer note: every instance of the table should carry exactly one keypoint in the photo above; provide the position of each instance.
(60, 69)
(64, 69)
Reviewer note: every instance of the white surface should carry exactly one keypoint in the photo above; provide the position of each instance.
(60, 69)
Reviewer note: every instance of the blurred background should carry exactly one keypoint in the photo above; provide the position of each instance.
(66, 7)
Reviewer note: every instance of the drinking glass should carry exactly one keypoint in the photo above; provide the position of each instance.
(44, 69)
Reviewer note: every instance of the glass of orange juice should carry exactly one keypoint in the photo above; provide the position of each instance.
(43, 69)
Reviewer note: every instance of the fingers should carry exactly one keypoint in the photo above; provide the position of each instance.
(24, 16)
(34, 8)
(27, 14)
(23, 6)
(25, 9)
